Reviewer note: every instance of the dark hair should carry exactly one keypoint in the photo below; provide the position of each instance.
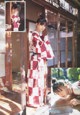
(54, 80)
(14, 6)
(41, 20)
(56, 85)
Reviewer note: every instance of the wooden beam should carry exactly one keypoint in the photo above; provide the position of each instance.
(55, 9)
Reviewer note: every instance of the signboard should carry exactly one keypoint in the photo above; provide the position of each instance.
(63, 4)
(53, 2)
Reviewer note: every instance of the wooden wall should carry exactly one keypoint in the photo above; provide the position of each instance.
(33, 10)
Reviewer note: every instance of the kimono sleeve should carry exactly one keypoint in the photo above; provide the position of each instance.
(50, 54)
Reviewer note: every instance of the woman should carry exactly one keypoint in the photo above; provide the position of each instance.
(67, 91)
(15, 17)
(40, 51)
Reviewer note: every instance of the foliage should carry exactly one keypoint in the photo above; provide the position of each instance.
(57, 73)
(72, 74)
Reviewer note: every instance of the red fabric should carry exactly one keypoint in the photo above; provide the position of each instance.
(15, 21)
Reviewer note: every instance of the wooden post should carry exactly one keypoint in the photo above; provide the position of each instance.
(58, 40)
(74, 45)
(8, 14)
(8, 59)
(75, 42)
(66, 46)
(23, 73)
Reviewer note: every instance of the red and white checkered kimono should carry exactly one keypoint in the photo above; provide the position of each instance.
(37, 68)
(15, 22)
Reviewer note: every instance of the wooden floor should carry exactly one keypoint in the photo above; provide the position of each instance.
(8, 106)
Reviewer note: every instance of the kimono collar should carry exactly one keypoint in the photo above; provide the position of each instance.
(36, 33)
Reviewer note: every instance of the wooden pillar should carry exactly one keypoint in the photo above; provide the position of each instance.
(66, 46)
(73, 46)
(23, 71)
(75, 42)
(8, 12)
(58, 40)
(8, 59)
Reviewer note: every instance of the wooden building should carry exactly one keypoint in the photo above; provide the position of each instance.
(62, 18)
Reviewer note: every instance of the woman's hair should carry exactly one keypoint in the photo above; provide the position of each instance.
(41, 20)
(56, 84)
(14, 6)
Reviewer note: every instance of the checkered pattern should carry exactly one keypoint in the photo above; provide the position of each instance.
(15, 22)
(37, 69)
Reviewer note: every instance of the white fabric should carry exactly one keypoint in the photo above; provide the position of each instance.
(76, 88)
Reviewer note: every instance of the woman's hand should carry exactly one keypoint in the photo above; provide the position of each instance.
(74, 102)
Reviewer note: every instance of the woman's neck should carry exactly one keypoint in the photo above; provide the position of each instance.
(37, 30)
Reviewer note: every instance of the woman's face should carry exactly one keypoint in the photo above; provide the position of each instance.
(40, 27)
(62, 91)
(15, 12)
